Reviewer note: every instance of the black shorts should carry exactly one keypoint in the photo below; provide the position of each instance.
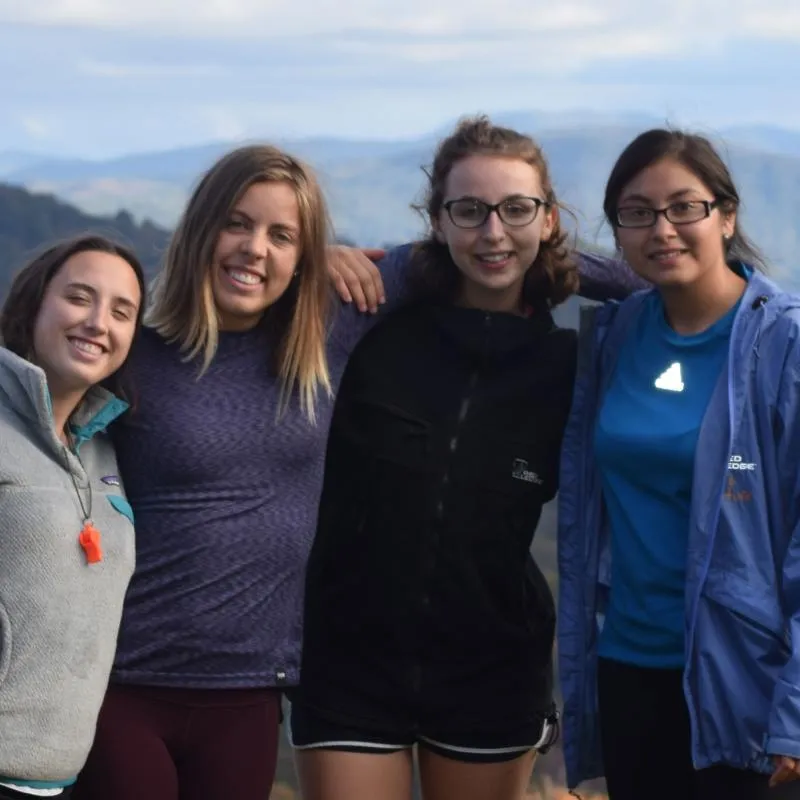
(309, 729)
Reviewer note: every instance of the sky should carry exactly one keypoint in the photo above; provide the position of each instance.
(99, 78)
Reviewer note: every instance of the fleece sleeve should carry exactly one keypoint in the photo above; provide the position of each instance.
(350, 324)
(601, 277)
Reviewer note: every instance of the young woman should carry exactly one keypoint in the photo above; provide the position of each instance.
(427, 622)
(67, 545)
(222, 460)
(680, 502)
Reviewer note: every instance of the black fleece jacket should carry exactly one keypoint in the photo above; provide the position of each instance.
(443, 448)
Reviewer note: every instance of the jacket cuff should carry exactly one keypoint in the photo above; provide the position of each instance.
(778, 746)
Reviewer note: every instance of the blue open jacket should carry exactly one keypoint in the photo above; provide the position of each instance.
(742, 674)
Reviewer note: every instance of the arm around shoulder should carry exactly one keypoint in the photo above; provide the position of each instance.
(605, 278)
(394, 267)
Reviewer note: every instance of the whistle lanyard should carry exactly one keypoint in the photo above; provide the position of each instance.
(89, 536)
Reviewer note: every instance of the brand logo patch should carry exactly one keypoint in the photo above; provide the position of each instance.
(520, 471)
(736, 495)
(110, 480)
(737, 462)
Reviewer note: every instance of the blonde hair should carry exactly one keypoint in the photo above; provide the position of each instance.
(183, 308)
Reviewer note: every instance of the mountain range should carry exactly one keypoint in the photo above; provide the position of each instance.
(29, 222)
(371, 184)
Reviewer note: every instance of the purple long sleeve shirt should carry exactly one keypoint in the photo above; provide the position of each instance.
(225, 499)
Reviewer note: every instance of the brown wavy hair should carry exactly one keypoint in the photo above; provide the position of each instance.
(183, 308)
(553, 276)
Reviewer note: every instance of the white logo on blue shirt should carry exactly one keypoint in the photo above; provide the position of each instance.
(671, 380)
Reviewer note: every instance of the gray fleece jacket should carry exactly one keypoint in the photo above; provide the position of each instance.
(59, 614)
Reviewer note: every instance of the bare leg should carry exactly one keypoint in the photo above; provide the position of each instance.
(338, 775)
(446, 779)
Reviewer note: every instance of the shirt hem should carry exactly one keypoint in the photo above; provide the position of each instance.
(179, 681)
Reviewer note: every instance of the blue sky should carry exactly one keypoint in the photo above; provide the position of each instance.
(98, 78)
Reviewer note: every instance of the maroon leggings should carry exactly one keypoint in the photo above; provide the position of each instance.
(183, 744)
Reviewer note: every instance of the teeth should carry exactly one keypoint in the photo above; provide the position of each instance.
(87, 347)
(244, 277)
(494, 257)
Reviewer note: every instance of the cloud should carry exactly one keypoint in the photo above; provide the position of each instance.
(35, 126)
(673, 23)
(770, 25)
(98, 77)
(372, 39)
(225, 123)
(107, 69)
(272, 18)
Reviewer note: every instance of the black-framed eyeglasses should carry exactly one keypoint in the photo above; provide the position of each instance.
(469, 212)
(683, 213)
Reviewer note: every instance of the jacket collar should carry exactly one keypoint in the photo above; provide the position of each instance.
(23, 389)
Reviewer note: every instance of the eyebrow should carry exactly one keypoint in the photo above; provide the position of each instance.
(248, 218)
(285, 227)
(512, 196)
(91, 290)
(640, 198)
(240, 213)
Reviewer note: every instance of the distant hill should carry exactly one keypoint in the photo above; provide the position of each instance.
(370, 184)
(30, 221)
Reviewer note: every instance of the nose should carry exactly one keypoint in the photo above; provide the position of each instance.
(255, 245)
(98, 317)
(493, 229)
(663, 229)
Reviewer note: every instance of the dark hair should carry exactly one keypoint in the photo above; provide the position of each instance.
(699, 156)
(552, 277)
(24, 301)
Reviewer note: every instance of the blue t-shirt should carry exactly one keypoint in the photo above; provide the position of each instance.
(645, 442)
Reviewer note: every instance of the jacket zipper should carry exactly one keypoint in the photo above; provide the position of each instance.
(463, 411)
(694, 728)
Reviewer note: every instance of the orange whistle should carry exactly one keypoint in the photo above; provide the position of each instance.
(90, 542)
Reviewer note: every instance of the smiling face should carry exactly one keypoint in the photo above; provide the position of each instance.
(493, 258)
(86, 322)
(256, 254)
(666, 254)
